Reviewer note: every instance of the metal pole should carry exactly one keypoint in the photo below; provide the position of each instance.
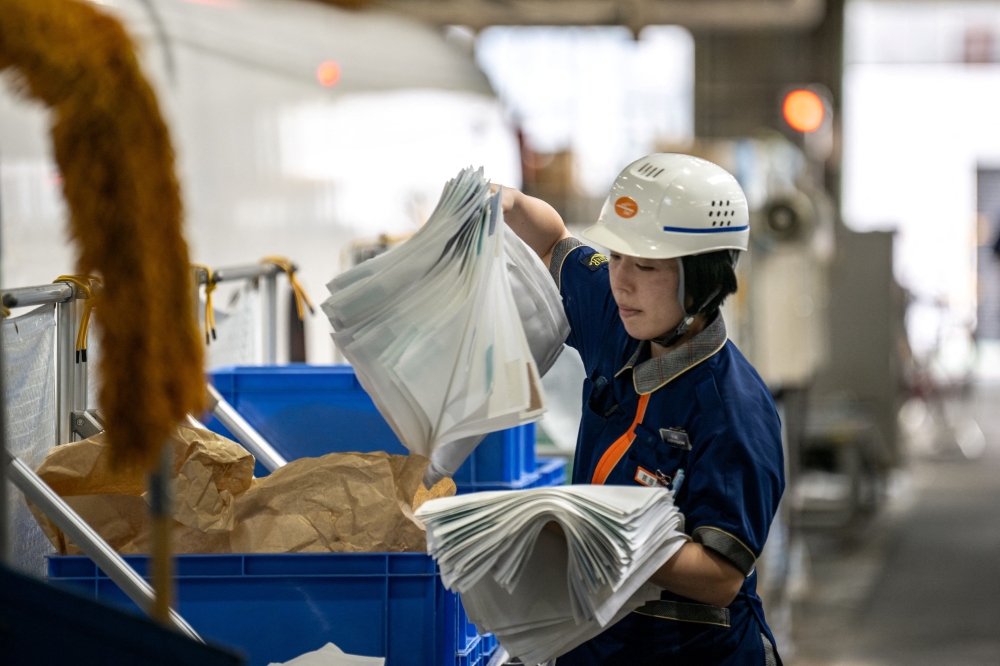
(247, 272)
(65, 372)
(243, 431)
(79, 368)
(47, 293)
(96, 548)
(270, 288)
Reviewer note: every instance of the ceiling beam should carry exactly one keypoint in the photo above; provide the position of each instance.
(714, 15)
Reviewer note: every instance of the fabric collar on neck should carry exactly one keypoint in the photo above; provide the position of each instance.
(655, 373)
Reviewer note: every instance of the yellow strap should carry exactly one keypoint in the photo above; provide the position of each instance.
(86, 284)
(210, 285)
(301, 298)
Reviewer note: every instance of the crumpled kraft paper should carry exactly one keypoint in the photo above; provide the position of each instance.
(209, 472)
(341, 502)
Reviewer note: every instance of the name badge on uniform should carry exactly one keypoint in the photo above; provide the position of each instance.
(676, 437)
(646, 478)
(659, 480)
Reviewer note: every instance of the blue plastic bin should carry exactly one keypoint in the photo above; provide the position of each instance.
(551, 472)
(311, 410)
(273, 608)
(548, 472)
(503, 456)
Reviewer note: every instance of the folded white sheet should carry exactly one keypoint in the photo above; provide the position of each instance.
(542, 593)
(331, 655)
(451, 331)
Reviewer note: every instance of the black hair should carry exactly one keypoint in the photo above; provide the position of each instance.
(708, 280)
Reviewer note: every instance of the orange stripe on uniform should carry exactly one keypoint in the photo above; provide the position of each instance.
(621, 445)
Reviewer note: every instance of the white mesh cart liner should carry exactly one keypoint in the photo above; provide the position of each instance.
(29, 368)
(237, 330)
(93, 362)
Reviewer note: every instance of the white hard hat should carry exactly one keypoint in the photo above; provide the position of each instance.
(668, 205)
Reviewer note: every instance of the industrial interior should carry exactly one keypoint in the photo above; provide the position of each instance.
(495, 332)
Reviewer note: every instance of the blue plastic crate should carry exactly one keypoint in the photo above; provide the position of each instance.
(309, 411)
(502, 457)
(474, 655)
(276, 607)
(551, 472)
(548, 472)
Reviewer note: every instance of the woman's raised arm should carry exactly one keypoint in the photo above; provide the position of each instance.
(534, 221)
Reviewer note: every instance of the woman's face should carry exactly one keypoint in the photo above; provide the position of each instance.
(646, 293)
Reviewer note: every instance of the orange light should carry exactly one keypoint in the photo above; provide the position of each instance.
(328, 73)
(803, 110)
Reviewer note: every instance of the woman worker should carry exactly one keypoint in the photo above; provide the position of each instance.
(669, 401)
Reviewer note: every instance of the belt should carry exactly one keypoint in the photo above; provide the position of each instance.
(683, 611)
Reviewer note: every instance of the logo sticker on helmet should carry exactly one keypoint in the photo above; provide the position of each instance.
(626, 207)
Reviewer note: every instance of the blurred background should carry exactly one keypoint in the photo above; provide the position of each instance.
(864, 132)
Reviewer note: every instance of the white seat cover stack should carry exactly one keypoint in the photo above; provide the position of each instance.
(540, 309)
(433, 328)
(539, 304)
(540, 593)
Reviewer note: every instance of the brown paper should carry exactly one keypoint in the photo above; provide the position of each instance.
(209, 473)
(341, 502)
(443, 488)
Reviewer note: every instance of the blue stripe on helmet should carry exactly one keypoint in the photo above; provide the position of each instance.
(716, 230)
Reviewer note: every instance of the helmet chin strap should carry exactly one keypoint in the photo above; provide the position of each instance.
(670, 338)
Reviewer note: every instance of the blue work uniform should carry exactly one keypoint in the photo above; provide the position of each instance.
(699, 420)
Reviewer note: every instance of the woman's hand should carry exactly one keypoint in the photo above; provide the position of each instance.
(701, 574)
(534, 221)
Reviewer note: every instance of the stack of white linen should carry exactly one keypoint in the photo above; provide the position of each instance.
(434, 328)
(540, 592)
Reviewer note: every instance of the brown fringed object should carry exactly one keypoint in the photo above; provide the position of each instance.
(117, 166)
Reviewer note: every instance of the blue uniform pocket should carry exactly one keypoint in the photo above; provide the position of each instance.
(651, 457)
(598, 405)
(602, 398)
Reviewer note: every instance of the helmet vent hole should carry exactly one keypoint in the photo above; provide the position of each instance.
(649, 170)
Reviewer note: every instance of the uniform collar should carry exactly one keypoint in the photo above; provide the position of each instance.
(654, 373)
